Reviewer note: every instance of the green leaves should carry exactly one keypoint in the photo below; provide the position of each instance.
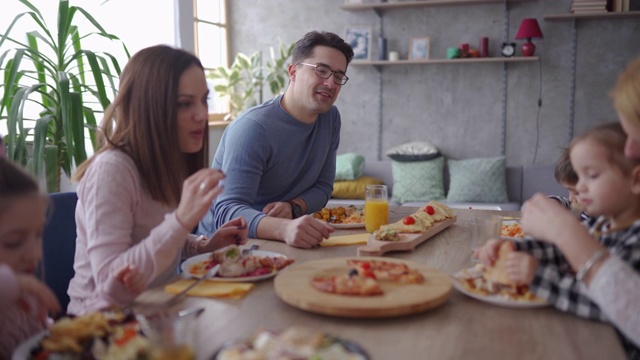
(242, 82)
(62, 86)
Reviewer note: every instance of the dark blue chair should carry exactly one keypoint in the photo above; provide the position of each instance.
(59, 244)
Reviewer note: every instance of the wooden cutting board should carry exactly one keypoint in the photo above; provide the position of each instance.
(377, 247)
(293, 286)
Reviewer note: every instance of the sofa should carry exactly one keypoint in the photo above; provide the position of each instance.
(521, 183)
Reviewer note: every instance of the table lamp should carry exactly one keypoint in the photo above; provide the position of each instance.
(529, 29)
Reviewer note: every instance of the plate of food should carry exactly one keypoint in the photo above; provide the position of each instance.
(293, 343)
(511, 229)
(115, 334)
(350, 217)
(363, 287)
(492, 284)
(236, 267)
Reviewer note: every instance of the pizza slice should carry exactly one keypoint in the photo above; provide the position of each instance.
(422, 220)
(497, 272)
(386, 271)
(347, 284)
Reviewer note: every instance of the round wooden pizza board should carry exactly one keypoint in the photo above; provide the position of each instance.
(293, 286)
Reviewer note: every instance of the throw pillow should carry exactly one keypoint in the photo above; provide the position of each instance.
(478, 180)
(353, 189)
(349, 166)
(415, 151)
(418, 180)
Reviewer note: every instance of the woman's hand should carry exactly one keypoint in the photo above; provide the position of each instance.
(47, 301)
(198, 193)
(488, 253)
(232, 232)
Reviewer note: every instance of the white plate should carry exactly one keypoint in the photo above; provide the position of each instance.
(187, 264)
(348, 226)
(496, 299)
(23, 351)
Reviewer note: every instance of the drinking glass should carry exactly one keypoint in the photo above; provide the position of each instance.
(173, 336)
(485, 228)
(376, 207)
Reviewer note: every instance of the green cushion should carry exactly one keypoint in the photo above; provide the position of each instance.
(353, 189)
(418, 180)
(349, 166)
(480, 180)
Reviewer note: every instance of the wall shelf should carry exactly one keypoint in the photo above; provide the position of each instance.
(410, 4)
(602, 15)
(446, 61)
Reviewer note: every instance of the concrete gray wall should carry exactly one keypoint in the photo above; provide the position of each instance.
(458, 107)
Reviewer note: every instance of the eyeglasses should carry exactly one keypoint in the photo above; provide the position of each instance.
(324, 72)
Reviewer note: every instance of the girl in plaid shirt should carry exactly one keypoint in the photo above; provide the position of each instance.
(609, 189)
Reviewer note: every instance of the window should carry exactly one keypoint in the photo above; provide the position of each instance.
(210, 36)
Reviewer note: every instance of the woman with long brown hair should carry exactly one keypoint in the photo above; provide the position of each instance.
(148, 186)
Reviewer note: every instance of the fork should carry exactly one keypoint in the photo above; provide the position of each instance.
(248, 251)
(177, 297)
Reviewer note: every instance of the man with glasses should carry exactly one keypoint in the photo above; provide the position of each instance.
(279, 157)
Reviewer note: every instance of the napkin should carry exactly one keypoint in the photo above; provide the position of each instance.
(211, 288)
(355, 239)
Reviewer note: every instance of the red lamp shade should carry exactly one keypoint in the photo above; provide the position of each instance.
(529, 29)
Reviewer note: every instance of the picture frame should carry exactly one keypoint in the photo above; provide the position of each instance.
(419, 48)
(359, 37)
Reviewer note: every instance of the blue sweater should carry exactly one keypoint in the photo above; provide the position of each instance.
(268, 156)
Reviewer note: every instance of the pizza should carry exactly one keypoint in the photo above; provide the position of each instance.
(386, 271)
(347, 284)
(493, 280)
(418, 222)
(497, 272)
(365, 277)
(512, 230)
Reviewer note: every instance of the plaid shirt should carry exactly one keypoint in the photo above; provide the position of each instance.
(555, 281)
(567, 203)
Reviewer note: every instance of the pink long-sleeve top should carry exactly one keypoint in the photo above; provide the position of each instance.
(119, 224)
(18, 316)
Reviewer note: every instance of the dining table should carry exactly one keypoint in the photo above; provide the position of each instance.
(461, 327)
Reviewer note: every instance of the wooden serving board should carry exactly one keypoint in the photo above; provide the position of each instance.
(377, 247)
(293, 286)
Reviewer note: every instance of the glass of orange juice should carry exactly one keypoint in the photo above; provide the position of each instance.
(376, 207)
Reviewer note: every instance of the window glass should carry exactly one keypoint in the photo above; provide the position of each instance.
(211, 46)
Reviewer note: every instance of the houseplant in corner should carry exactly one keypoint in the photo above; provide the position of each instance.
(244, 80)
(52, 72)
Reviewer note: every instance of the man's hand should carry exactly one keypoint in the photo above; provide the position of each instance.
(278, 209)
(306, 232)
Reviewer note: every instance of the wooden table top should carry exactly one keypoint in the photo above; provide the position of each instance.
(461, 328)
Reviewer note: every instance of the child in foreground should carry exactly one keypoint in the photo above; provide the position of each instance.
(25, 301)
(609, 190)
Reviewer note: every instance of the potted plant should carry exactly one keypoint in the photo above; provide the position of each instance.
(244, 80)
(52, 71)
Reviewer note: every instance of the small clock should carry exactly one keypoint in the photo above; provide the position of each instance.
(508, 49)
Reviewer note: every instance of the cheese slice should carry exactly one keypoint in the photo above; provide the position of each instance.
(210, 288)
